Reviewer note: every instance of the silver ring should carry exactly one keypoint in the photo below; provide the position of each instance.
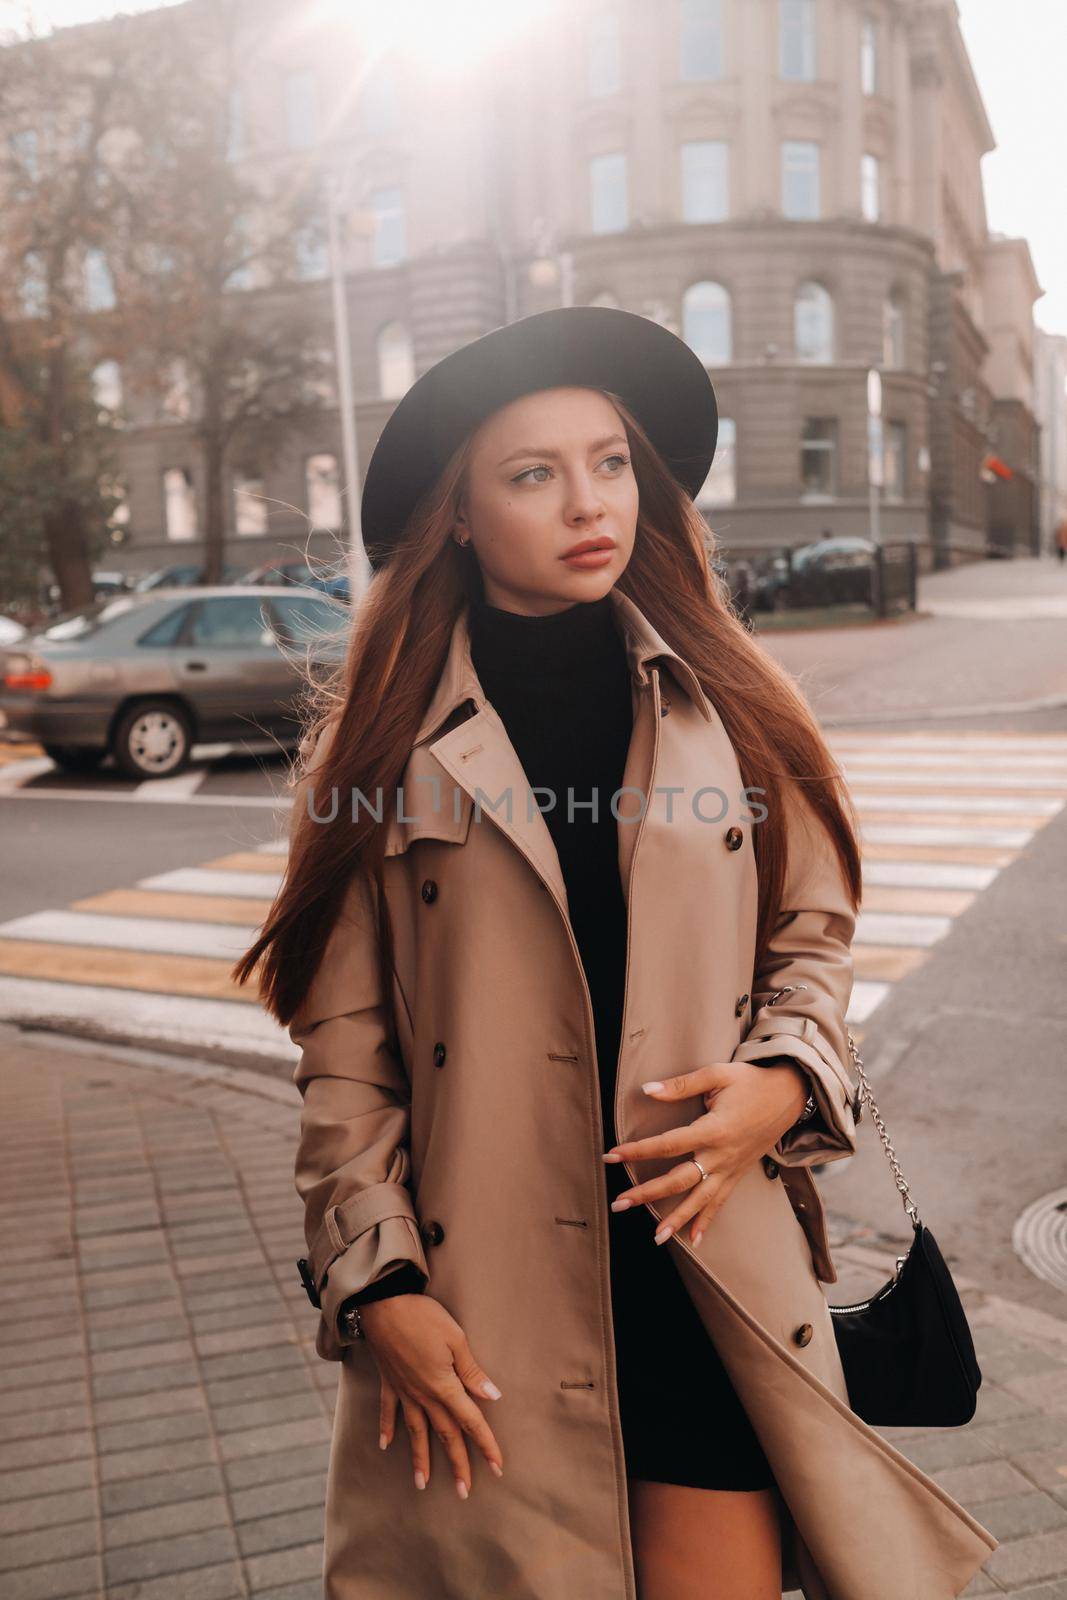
(699, 1168)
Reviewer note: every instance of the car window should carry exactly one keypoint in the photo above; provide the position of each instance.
(77, 624)
(226, 623)
(304, 620)
(166, 631)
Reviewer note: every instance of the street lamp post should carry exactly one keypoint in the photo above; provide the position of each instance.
(359, 566)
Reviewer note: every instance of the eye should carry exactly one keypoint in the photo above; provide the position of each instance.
(623, 460)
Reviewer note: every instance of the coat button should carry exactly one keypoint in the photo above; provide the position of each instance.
(439, 1053)
(739, 1004)
(802, 1335)
(432, 1232)
(429, 891)
(734, 838)
(664, 706)
(770, 1166)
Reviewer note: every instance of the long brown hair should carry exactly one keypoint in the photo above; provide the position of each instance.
(363, 722)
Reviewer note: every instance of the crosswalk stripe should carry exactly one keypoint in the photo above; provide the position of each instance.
(890, 927)
(963, 855)
(141, 934)
(15, 773)
(1034, 810)
(866, 996)
(958, 741)
(885, 963)
(175, 788)
(908, 874)
(912, 898)
(240, 861)
(197, 880)
(182, 907)
(204, 1025)
(923, 833)
(122, 969)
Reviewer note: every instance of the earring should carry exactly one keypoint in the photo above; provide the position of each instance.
(463, 543)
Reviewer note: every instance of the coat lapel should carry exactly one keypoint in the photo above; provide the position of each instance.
(478, 755)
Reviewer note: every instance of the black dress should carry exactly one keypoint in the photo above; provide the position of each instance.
(561, 686)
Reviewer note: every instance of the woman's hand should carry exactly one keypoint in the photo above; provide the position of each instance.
(749, 1108)
(426, 1364)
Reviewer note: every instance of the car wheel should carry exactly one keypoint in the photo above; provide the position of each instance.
(152, 740)
(73, 757)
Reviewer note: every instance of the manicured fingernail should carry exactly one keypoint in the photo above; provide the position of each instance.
(490, 1388)
(621, 1204)
(420, 1479)
(663, 1233)
(652, 1088)
(383, 1441)
(698, 1236)
(461, 1488)
(497, 1468)
(611, 1156)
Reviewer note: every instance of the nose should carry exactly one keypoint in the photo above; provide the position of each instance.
(585, 500)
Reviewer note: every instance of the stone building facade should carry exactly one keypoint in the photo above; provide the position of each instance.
(793, 186)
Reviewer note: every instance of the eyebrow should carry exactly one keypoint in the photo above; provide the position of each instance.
(598, 444)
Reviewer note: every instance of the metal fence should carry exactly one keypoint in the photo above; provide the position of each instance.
(846, 575)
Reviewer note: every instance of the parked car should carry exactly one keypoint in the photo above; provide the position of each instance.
(300, 572)
(146, 676)
(828, 572)
(105, 584)
(183, 576)
(10, 632)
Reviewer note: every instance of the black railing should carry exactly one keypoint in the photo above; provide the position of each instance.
(880, 580)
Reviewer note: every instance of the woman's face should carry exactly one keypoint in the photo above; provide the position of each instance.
(549, 471)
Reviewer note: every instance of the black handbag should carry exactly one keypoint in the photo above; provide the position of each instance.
(907, 1352)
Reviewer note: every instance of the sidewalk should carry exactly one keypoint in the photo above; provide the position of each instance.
(166, 1418)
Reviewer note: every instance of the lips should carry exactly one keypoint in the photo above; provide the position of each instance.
(587, 545)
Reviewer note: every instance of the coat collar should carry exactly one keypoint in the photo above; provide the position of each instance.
(459, 681)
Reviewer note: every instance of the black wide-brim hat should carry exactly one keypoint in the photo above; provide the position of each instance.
(654, 373)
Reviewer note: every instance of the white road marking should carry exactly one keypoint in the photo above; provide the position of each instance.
(927, 875)
(866, 995)
(179, 787)
(901, 927)
(203, 880)
(980, 804)
(127, 1013)
(131, 797)
(920, 833)
(15, 773)
(154, 935)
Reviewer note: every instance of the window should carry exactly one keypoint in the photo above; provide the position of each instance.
(229, 623)
(869, 56)
(99, 287)
(378, 102)
(118, 519)
(176, 397)
(249, 505)
(813, 318)
(604, 53)
(235, 126)
(396, 361)
(33, 285)
(390, 244)
(701, 54)
(800, 180)
(706, 323)
(179, 503)
(796, 24)
(720, 486)
(608, 202)
(896, 457)
(303, 620)
(323, 491)
(893, 331)
(705, 181)
(164, 634)
(107, 385)
(312, 254)
(818, 459)
(606, 298)
(24, 150)
(870, 187)
(301, 128)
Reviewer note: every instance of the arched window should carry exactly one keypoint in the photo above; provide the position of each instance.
(893, 330)
(813, 322)
(107, 385)
(396, 361)
(707, 323)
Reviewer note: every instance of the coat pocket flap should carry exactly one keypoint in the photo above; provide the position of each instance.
(434, 812)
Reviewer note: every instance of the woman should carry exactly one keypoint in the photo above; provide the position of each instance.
(522, 936)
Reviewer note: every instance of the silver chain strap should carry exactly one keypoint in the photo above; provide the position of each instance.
(857, 1109)
(865, 1089)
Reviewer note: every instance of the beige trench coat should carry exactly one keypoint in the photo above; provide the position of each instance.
(478, 1156)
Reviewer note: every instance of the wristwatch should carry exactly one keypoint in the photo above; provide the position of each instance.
(809, 1110)
(350, 1321)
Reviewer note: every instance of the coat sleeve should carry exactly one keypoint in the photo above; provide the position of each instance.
(811, 950)
(353, 1165)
